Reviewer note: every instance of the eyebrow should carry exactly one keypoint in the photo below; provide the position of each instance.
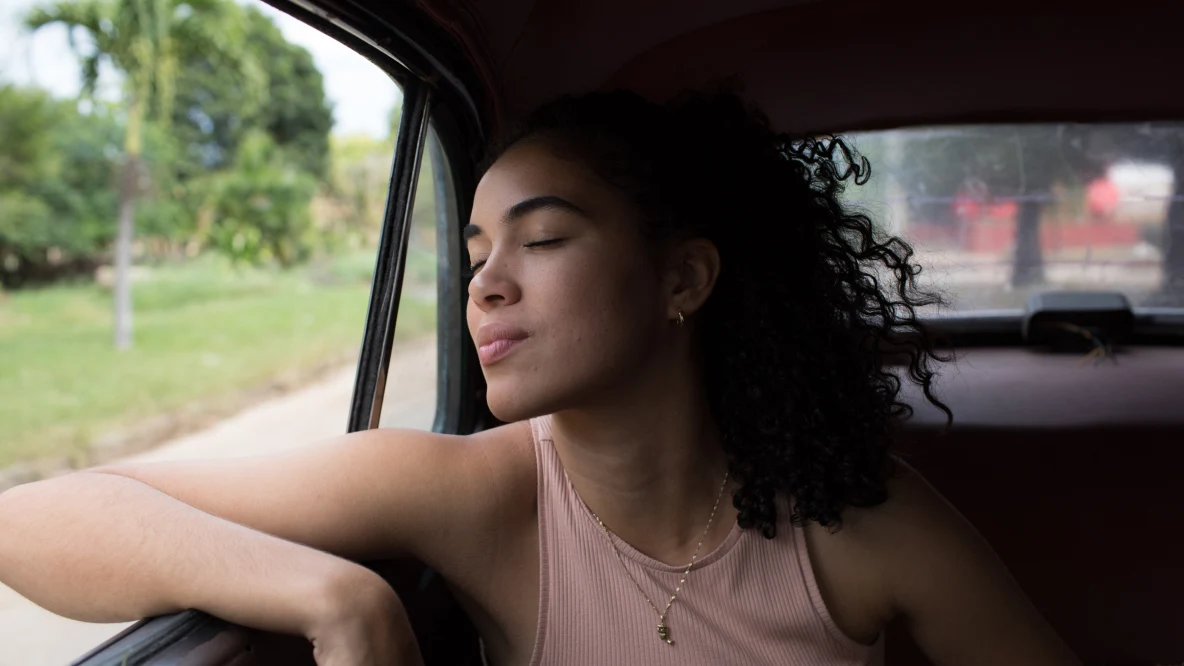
(526, 207)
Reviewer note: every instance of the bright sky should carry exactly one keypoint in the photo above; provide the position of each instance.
(361, 94)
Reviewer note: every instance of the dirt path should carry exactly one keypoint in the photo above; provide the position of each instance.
(32, 636)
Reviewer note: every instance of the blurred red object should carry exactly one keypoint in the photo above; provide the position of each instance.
(1003, 210)
(1102, 197)
(968, 201)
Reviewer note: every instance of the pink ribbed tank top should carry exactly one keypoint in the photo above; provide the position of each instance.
(751, 601)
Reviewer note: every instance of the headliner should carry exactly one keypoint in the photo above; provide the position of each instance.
(826, 65)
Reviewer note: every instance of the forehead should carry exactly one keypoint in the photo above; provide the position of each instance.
(531, 169)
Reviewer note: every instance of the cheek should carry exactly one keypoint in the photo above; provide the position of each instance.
(600, 308)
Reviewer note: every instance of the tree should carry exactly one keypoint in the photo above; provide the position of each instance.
(286, 100)
(360, 170)
(27, 162)
(144, 40)
(259, 210)
(1172, 290)
(1161, 143)
(56, 200)
(1021, 162)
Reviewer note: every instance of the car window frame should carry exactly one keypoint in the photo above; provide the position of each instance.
(391, 262)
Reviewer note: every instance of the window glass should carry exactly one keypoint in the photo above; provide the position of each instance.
(246, 179)
(997, 213)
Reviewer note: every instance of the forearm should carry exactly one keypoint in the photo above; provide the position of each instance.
(104, 548)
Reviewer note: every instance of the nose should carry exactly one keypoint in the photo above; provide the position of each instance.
(495, 284)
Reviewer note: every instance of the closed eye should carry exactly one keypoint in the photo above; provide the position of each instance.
(544, 242)
(473, 269)
(539, 243)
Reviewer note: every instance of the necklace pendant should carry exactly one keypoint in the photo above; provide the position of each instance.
(664, 633)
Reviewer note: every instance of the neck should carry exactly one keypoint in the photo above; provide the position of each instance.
(649, 463)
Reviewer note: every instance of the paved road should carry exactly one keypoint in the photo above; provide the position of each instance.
(32, 636)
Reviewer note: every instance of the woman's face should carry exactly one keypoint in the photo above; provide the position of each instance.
(566, 301)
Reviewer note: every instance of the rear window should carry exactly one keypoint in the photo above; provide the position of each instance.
(999, 212)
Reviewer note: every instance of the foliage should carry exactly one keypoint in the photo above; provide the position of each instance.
(27, 120)
(280, 92)
(211, 93)
(146, 40)
(296, 114)
(259, 210)
(58, 197)
(57, 203)
(354, 198)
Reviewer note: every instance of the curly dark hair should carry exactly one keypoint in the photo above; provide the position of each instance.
(813, 308)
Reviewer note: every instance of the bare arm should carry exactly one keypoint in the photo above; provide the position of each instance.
(257, 541)
(954, 594)
(103, 548)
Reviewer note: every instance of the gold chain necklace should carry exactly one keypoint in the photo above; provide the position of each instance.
(663, 629)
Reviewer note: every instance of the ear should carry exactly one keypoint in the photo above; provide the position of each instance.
(692, 269)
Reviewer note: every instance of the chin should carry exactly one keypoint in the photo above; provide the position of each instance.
(511, 399)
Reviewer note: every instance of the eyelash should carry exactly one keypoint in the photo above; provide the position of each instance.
(532, 244)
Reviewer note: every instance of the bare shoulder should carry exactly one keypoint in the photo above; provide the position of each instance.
(504, 467)
(914, 511)
(508, 450)
(917, 559)
(474, 495)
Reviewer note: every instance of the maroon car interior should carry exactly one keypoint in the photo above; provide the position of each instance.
(1069, 467)
(821, 65)
(1071, 471)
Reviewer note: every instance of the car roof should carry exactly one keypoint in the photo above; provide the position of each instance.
(816, 65)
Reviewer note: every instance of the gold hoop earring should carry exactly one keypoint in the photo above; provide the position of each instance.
(681, 319)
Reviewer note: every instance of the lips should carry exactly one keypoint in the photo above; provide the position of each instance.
(496, 341)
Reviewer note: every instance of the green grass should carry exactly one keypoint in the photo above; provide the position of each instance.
(202, 331)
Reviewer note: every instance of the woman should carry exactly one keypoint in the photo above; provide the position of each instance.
(684, 329)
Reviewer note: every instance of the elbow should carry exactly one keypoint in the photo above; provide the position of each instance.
(35, 495)
(17, 495)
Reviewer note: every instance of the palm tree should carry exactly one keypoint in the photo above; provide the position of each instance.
(144, 40)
